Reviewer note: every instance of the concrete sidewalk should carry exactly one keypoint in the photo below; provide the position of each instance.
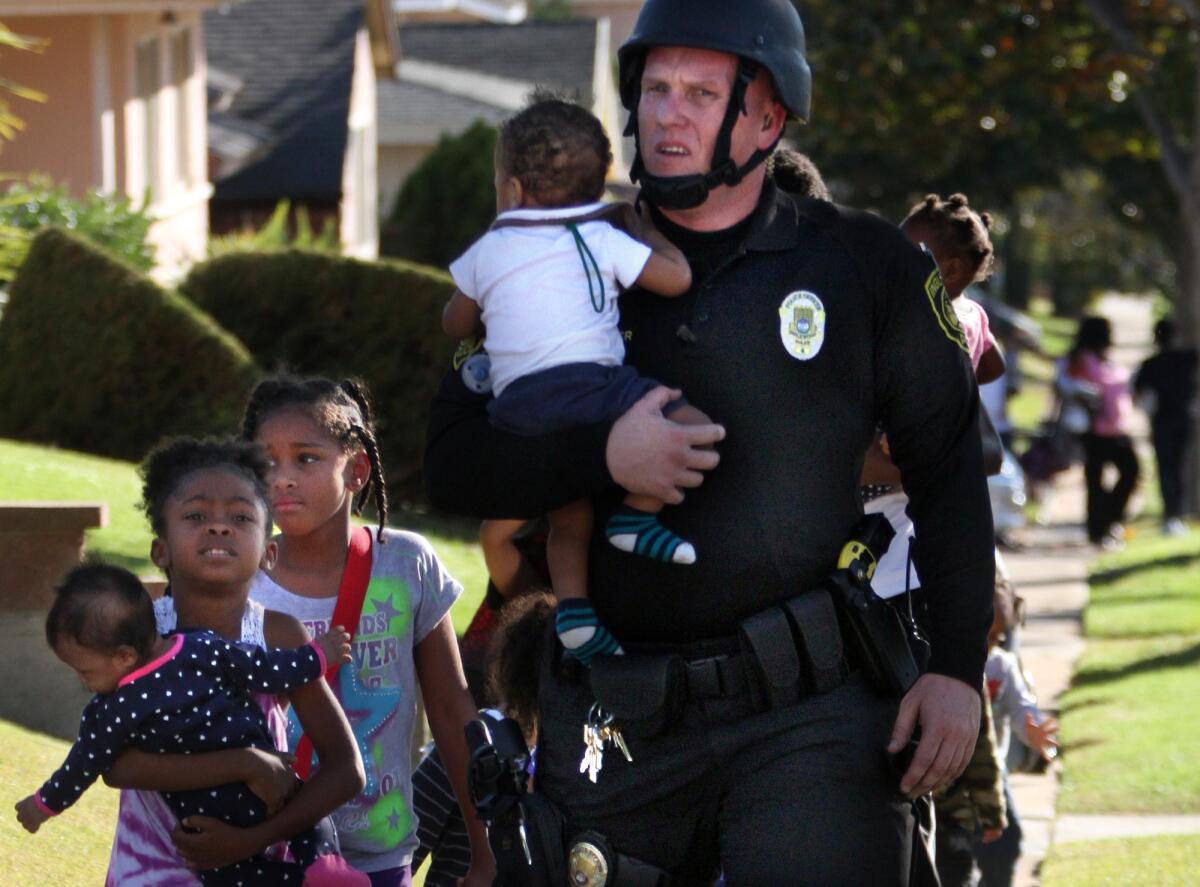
(1050, 572)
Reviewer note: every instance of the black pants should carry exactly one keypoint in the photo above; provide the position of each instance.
(1170, 438)
(1106, 506)
(802, 795)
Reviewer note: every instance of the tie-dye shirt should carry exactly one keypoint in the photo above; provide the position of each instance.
(408, 594)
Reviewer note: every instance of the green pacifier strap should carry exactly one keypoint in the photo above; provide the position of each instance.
(585, 256)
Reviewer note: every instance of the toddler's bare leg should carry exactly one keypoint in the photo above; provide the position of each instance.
(567, 549)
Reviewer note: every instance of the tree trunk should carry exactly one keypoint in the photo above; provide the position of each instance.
(1187, 304)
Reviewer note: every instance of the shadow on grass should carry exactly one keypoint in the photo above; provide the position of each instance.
(1079, 744)
(1185, 658)
(1090, 702)
(1176, 560)
(1103, 600)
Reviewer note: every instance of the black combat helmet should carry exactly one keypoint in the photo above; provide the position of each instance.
(760, 33)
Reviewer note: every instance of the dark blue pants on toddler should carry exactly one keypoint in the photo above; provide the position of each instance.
(570, 396)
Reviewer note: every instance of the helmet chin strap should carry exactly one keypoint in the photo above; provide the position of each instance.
(687, 192)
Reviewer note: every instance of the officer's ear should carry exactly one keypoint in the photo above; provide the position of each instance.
(773, 113)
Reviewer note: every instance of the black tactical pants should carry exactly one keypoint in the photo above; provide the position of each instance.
(802, 795)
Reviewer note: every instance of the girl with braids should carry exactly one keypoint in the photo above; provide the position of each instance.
(320, 440)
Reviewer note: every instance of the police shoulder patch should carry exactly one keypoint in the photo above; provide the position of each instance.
(466, 347)
(943, 310)
(802, 324)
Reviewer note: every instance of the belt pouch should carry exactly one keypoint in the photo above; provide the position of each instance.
(767, 638)
(819, 639)
(644, 693)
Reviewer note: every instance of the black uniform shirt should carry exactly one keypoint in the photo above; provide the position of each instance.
(824, 321)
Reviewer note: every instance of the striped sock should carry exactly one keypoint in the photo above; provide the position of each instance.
(639, 532)
(581, 633)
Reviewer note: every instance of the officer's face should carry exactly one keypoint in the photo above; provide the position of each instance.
(684, 95)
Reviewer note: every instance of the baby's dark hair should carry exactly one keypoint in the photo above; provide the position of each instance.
(168, 464)
(101, 607)
(795, 172)
(957, 228)
(342, 409)
(557, 150)
(515, 656)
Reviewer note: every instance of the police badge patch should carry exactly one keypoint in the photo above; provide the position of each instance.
(943, 310)
(802, 324)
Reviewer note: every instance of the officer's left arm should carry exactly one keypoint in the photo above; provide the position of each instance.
(928, 402)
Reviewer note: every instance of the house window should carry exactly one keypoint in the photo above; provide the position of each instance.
(183, 65)
(148, 83)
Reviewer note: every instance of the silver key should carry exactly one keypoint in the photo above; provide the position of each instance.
(593, 754)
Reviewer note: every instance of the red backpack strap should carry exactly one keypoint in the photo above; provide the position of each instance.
(351, 593)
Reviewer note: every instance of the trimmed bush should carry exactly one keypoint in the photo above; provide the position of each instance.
(317, 314)
(94, 356)
(447, 202)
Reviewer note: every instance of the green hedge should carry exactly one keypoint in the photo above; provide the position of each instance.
(316, 314)
(448, 201)
(95, 356)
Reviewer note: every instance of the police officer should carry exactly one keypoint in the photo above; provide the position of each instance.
(806, 325)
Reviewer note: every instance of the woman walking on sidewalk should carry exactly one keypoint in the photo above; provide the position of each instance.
(1106, 442)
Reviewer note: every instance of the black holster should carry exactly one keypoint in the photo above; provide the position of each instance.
(526, 832)
(881, 640)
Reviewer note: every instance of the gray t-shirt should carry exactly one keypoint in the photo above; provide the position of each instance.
(407, 596)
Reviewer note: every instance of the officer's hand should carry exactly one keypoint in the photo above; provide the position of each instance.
(651, 455)
(948, 712)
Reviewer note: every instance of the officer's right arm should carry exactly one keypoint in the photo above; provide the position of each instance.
(474, 469)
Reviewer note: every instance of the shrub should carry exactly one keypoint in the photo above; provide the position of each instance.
(285, 228)
(107, 221)
(95, 356)
(327, 315)
(447, 202)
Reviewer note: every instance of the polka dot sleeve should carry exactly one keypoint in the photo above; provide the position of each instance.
(272, 671)
(104, 731)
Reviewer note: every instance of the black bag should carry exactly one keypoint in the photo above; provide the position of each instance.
(644, 693)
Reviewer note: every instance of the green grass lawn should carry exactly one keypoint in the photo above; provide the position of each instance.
(1131, 726)
(1168, 861)
(68, 851)
(37, 473)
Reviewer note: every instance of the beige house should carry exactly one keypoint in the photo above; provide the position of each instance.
(292, 116)
(621, 15)
(125, 112)
(506, 12)
(452, 73)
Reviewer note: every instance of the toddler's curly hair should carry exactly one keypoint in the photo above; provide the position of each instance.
(557, 150)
